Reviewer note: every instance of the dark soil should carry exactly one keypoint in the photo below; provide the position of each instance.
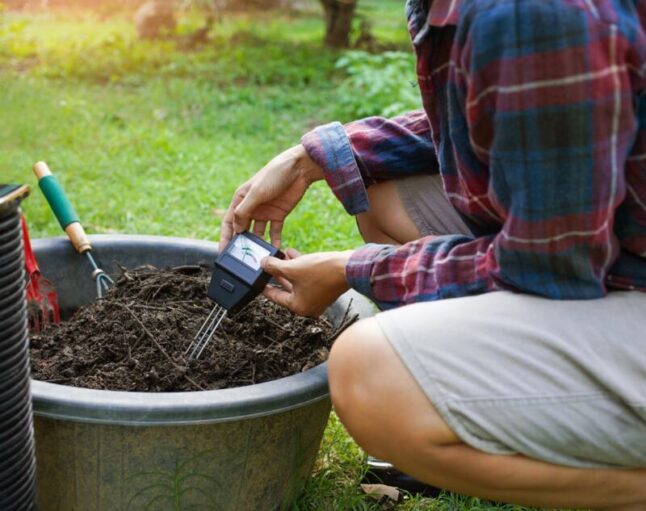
(135, 338)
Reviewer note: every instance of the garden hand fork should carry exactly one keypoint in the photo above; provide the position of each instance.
(70, 222)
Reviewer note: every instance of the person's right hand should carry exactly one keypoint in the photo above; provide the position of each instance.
(270, 195)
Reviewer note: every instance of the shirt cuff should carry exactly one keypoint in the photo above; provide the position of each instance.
(329, 146)
(358, 269)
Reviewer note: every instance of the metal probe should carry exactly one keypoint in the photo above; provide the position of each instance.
(206, 332)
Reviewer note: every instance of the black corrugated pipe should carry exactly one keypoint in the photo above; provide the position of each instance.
(17, 461)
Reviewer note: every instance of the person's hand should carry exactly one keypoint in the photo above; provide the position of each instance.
(270, 195)
(310, 283)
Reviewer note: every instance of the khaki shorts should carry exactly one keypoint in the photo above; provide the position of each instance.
(559, 381)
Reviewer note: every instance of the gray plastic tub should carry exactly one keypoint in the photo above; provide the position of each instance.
(247, 448)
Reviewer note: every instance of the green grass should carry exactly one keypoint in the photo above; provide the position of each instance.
(161, 158)
(147, 139)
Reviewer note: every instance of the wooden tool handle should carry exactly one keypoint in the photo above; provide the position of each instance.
(41, 170)
(62, 207)
(77, 236)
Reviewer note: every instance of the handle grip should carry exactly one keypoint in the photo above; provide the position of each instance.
(62, 207)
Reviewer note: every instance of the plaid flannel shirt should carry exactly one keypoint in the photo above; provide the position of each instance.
(535, 117)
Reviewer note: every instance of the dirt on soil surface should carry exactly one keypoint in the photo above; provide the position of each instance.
(135, 337)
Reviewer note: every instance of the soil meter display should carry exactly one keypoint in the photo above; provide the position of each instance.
(237, 279)
(247, 251)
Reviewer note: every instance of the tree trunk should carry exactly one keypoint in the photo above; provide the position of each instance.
(338, 22)
(241, 5)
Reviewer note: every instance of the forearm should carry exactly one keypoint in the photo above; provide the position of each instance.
(303, 164)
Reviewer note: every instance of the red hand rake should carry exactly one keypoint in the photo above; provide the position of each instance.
(42, 301)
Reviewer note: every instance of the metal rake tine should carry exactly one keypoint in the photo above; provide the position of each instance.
(103, 281)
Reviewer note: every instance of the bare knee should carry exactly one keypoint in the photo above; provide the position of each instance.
(370, 230)
(347, 384)
(350, 385)
(376, 398)
(387, 221)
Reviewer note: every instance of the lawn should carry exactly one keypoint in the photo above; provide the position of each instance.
(150, 139)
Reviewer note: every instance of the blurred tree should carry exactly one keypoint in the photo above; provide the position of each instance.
(267, 4)
(155, 18)
(338, 14)
(219, 6)
(338, 21)
(96, 5)
(14, 4)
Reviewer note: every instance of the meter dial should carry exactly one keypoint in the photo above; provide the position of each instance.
(247, 252)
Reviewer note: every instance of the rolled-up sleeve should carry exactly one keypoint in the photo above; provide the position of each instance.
(360, 153)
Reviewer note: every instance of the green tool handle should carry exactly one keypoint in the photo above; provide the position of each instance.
(62, 207)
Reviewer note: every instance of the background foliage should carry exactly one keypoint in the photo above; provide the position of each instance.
(386, 81)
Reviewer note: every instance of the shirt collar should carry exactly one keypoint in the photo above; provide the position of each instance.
(421, 18)
(443, 12)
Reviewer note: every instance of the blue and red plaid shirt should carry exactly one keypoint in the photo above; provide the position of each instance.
(535, 117)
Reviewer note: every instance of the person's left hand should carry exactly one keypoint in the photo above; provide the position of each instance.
(310, 283)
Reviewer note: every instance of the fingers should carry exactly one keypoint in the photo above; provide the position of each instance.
(286, 284)
(292, 253)
(226, 229)
(273, 266)
(259, 228)
(241, 221)
(275, 231)
(242, 213)
(279, 296)
(226, 232)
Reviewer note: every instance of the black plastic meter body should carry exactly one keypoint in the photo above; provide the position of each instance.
(237, 277)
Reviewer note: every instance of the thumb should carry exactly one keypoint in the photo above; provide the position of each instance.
(292, 253)
(273, 266)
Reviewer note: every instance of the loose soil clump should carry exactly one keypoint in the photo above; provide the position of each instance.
(135, 337)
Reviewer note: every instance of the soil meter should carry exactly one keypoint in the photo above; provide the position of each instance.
(237, 279)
